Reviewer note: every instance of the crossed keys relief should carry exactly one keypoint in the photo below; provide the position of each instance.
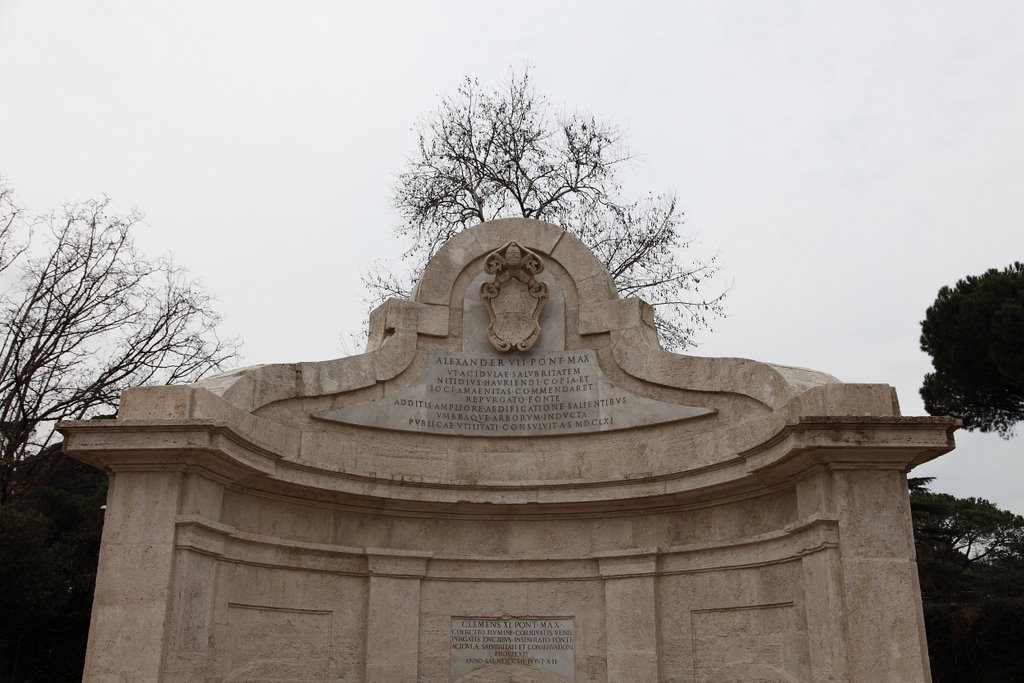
(514, 298)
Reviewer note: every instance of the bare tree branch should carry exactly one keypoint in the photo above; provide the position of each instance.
(502, 152)
(84, 316)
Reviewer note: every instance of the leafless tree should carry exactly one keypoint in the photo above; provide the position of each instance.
(84, 315)
(489, 153)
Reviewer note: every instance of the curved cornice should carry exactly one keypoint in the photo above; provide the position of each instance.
(225, 451)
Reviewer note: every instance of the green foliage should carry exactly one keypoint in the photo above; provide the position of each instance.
(974, 333)
(50, 541)
(976, 643)
(28, 564)
(970, 557)
(963, 545)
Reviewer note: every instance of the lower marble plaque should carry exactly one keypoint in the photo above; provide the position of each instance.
(483, 643)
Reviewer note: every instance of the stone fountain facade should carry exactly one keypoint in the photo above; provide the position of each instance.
(515, 483)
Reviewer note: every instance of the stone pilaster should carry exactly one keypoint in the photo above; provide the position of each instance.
(393, 615)
(630, 616)
(883, 619)
(825, 608)
(199, 544)
(133, 586)
(822, 582)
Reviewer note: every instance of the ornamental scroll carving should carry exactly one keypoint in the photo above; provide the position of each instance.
(514, 298)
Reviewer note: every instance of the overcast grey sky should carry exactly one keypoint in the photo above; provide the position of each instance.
(844, 160)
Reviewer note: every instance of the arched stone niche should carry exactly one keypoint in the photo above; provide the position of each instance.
(591, 508)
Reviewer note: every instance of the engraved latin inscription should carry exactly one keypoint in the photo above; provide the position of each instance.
(513, 394)
(545, 644)
(487, 394)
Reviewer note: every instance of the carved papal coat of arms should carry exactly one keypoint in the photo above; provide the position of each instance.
(514, 298)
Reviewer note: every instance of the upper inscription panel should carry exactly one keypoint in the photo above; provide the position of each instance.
(543, 394)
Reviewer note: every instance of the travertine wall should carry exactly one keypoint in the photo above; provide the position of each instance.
(318, 522)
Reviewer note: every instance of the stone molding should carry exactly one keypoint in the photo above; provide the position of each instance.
(219, 449)
(805, 537)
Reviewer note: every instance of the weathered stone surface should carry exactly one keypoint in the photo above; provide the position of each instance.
(495, 395)
(732, 520)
